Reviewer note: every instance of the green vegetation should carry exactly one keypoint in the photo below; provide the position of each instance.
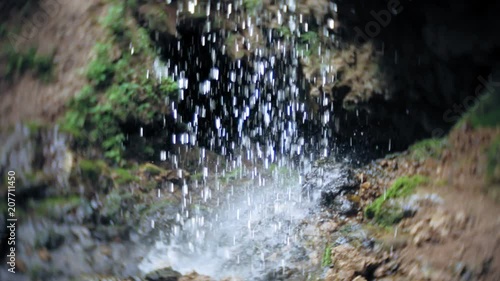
(156, 206)
(386, 214)
(120, 92)
(123, 176)
(20, 62)
(427, 148)
(308, 42)
(284, 32)
(485, 113)
(232, 175)
(101, 70)
(151, 169)
(493, 164)
(327, 256)
(115, 19)
(252, 5)
(92, 170)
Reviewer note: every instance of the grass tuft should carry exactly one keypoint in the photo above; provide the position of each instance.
(386, 214)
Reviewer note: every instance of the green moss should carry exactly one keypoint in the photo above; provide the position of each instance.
(119, 92)
(100, 71)
(115, 202)
(233, 175)
(251, 6)
(427, 148)
(115, 19)
(196, 176)
(486, 111)
(151, 169)
(387, 214)
(284, 31)
(91, 169)
(308, 42)
(20, 62)
(327, 256)
(123, 176)
(156, 206)
(56, 207)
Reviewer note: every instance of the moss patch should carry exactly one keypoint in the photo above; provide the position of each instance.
(486, 111)
(327, 256)
(123, 176)
(56, 207)
(120, 90)
(387, 214)
(91, 169)
(20, 62)
(427, 148)
(156, 206)
(151, 169)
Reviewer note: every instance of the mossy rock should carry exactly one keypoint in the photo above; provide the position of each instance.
(123, 176)
(157, 206)
(56, 207)
(92, 169)
(150, 169)
(384, 211)
(164, 274)
(115, 202)
(485, 112)
(428, 148)
(120, 94)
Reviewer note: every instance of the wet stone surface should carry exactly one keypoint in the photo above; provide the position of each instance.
(330, 183)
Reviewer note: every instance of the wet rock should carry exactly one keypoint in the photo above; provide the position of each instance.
(329, 180)
(49, 239)
(281, 274)
(39, 156)
(83, 236)
(44, 254)
(164, 274)
(348, 263)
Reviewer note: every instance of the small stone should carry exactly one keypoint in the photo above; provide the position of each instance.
(105, 250)
(164, 274)
(20, 265)
(366, 185)
(359, 278)
(44, 254)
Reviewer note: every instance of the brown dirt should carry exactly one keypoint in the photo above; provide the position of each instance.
(459, 237)
(70, 33)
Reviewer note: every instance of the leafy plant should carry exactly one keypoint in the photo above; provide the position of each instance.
(115, 19)
(117, 94)
(20, 62)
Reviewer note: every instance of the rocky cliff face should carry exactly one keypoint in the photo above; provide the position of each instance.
(378, 74)
(436, 57)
